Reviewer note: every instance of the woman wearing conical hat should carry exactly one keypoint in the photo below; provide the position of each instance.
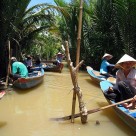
(125, 87)
(105, 64)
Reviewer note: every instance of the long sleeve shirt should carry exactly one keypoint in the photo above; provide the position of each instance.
(130, 79)
(104, 65)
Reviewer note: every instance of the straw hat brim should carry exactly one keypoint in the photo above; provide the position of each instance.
(107, 55)
(133, 64)
(125, 58)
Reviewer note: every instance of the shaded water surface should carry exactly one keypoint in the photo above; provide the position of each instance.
(28, 112)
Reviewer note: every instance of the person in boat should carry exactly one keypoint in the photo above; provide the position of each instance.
(24, 58)
(38, 62)
(105, 65)
(59, 57)
(29, 63)
(18, 69)
(56, 63)
(125, 86)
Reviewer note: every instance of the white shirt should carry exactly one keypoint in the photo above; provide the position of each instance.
(130, 79)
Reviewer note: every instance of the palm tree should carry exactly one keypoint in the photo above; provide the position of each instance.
(10, 13)
(20, 25)
(109, 27)
(68, 24)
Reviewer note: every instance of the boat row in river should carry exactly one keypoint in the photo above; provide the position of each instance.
(35, 77)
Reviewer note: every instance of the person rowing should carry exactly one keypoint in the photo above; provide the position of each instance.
(105, 65)
(125, 86)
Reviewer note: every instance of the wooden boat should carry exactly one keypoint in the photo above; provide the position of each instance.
(97, 77)
(34, 78)
(53, 68)
(128, 116)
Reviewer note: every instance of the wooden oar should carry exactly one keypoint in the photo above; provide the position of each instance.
(91, 111)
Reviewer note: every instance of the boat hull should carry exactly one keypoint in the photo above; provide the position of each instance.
(29, 82)
(97, 77)
(54, 68)
(128, 116)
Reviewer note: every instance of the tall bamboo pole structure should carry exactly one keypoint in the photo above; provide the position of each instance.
(77, 56)
(9, 69)
(76, 89)
(79, 32)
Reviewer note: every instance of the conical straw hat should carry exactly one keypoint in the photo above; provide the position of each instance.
(13, 58)
(59, 53)
(125, 58)
(106, 54)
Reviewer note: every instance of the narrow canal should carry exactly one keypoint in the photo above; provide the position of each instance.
(28, 112)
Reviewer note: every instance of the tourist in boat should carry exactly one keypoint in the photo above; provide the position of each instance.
(38, 62)
(105, 65)
(125, 86)
(24, 58)
(59, 57)
(18, 69)
(29, 63)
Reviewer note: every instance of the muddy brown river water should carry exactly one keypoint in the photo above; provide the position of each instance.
(28, 112)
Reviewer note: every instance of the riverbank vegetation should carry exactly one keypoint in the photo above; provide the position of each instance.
(109, 26)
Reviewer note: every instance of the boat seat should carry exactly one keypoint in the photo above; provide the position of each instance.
(36, 69)
(105, 85)
(34, 73)
(93, 74)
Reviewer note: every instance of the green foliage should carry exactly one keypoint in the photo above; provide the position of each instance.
(45, 46)
(21, 26)
(110, 28)
(11, 14)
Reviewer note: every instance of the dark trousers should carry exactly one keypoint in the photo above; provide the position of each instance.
(14, 76)
(124, 92)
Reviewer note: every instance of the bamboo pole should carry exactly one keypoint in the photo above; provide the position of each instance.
(76, 89)
(79, 32)
(77, 57)
(9, 69)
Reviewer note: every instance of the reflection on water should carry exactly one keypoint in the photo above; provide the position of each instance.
(28, 112)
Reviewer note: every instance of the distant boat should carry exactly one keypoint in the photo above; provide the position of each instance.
(97, 77)
(53, 68)
(128, 116)
(34, 78)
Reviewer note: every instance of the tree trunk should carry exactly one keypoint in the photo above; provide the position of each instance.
(3, 59)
